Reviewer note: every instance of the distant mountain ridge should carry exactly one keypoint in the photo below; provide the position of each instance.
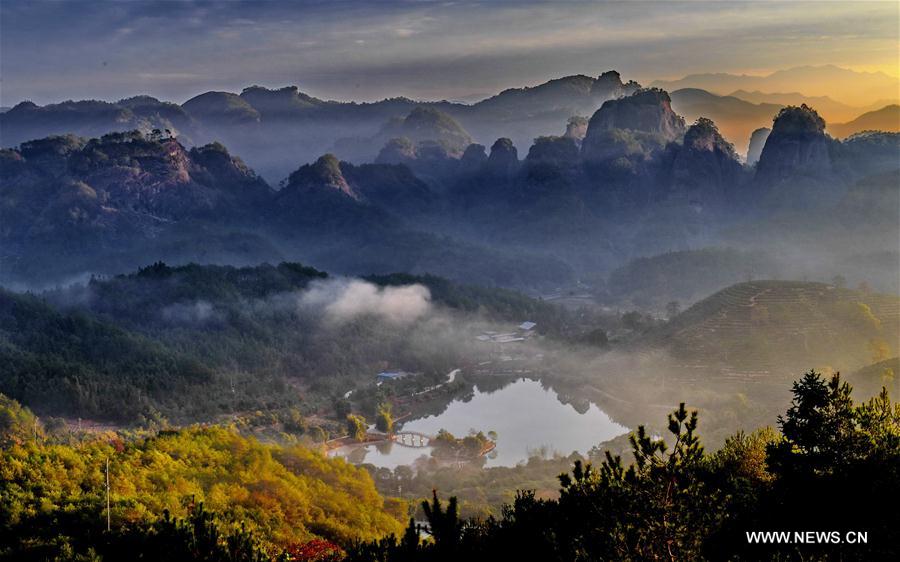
(885, 119)
(275, 128)
(272, 126)
(830, 109)
(847, 86)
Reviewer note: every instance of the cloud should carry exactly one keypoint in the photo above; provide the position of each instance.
(345, 300)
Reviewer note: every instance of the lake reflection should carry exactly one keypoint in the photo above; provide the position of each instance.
(525, 416)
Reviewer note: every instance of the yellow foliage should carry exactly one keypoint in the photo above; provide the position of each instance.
(284, 494)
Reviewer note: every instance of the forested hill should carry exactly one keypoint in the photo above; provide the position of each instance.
(72, 363)
(195, 342)
(496, 303)
(133, 296)
(265, 497)
(781, 324)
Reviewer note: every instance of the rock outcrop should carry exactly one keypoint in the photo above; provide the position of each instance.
(474, 157)
(323, 174)
(633, 127)
(576, 128)
(283, 103)
(648, 111)
(797, 145)
(562, 151)
(68, 190)
(429, 124)
(705, 166)
(504, 158)
(757, 142)
(397, 151)
(609, 86)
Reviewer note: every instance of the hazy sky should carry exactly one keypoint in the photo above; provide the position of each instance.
(51, 51)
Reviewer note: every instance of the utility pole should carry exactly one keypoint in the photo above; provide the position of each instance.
(108, 525)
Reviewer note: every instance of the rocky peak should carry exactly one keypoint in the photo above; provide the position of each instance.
(609, 86)
(757, 141)
(576, 128)
(648, 111)
(432, 151)
(278, 103)
(212, 163)
(430, 124)
(705, 165)
(504, 158)
(23, 107)
(609, 80)
(635, 127)
(801, 121)
(473, 158)
(323, 173)
(146, 178)
(797, 145)
(397, 151)
(704, 136)
(553, 150)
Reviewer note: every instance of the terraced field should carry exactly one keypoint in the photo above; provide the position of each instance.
(755, 329)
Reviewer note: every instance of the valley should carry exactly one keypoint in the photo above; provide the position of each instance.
(534, 309)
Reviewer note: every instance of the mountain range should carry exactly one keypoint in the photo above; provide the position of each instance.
(885, 119)
(841, 84)
(272, 128)
(645, 173)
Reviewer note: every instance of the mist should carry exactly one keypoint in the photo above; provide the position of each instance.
(345, 300)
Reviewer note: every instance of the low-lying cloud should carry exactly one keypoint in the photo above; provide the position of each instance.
(345, 300)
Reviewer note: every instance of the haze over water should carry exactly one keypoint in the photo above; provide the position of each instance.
(526, 418)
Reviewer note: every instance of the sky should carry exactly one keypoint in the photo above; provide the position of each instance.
(368, 50)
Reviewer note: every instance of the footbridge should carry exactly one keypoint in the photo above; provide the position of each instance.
(412, 439)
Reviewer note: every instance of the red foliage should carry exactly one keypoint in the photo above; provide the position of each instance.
(316, 550)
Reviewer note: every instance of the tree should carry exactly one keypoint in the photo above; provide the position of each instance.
(660, 507)
(356, 427)
(819, 428)
(17, 423)
(597, 337)
(679, 503)
(444, 525)
(342, 408)
(384, 420)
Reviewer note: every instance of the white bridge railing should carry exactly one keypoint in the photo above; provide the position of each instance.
(412, 439)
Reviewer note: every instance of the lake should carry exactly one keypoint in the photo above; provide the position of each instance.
(524, 415)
